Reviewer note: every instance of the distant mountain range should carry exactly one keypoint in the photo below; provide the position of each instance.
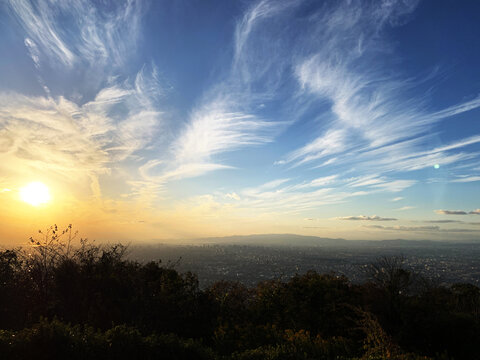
(274, 239)
(302, 240)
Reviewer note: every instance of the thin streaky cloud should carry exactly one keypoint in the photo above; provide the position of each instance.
(421, 229)
(259, 11)
(467, 179)
(395, 185)
(405, 208)
(76, 31)
(443, 221)
(404, 228)
(42, 31)
(380, 182)
(455, 110)
(366, 218)
(458, 144)
(190, 170)
(318, 182)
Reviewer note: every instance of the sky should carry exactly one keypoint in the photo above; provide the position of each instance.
(165, 120)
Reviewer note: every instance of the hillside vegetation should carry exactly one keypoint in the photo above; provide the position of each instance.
(60, 301)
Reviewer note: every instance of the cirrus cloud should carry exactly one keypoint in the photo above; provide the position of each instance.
(366, 218)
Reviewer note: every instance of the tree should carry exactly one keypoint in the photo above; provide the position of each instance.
(393, 280)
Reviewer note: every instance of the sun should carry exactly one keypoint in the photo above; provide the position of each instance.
(35, 193)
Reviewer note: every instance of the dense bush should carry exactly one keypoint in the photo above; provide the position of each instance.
(56, 340)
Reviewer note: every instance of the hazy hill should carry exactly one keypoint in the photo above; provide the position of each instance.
(274, 239)
(294, 240)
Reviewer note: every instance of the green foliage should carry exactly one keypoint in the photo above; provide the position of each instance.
(56, 340)
(377, 344)
(298, 345)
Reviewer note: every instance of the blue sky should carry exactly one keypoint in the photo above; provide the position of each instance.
(355, 119)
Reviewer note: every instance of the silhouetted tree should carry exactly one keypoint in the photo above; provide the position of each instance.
(63, 297)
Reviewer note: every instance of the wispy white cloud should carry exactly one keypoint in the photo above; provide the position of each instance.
(190, 170)
(442, 221)
(270, 185)
(467, 179)
(213, 130)
(421, 229)
(332, 142)
(405, 228)
(455, 110)
(405, 208)
(318, 182)
(381, 182)
(461, 143)
(279, 197)
(233, 196)
(287, 197)
(367, 181)
(395, 185)
(255, 14)
(41, 28)
(365, 218)
(77, 31)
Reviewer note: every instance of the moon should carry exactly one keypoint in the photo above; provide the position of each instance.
(35, 194)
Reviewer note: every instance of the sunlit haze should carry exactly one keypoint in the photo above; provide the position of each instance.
(167, 120)
(35, 194)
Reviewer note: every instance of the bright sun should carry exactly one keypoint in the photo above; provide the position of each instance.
(35, 193)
